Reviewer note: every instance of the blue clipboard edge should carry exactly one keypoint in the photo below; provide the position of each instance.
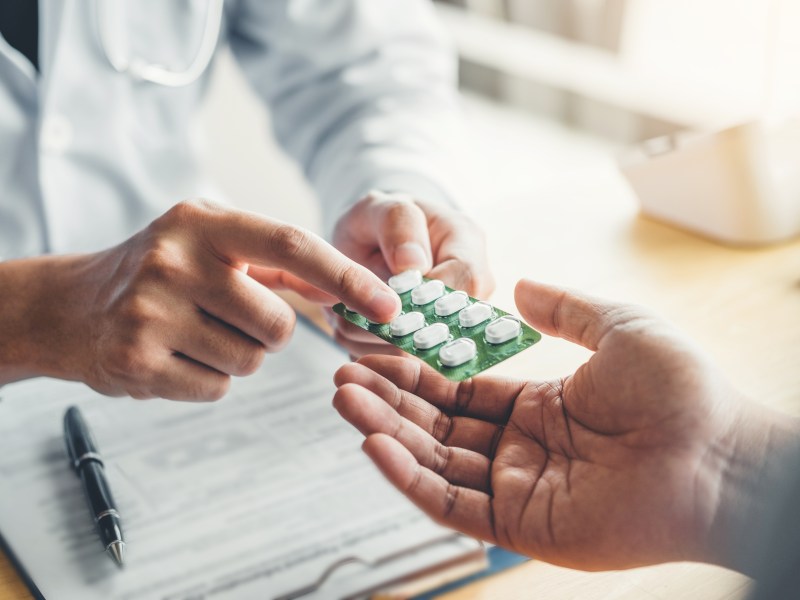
(20, 570)
(499, 560)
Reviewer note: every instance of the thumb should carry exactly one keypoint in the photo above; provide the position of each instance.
(402, 231)
(571, 315)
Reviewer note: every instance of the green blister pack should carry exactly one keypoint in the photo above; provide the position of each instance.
(456, 334)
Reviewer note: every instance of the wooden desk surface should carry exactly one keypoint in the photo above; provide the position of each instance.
(742, 306)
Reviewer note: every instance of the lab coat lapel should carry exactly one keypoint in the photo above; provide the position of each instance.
(50, 20)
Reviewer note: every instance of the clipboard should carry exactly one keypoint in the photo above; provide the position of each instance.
(396, 542)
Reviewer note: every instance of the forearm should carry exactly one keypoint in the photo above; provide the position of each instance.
(762, 464)
(35, 297)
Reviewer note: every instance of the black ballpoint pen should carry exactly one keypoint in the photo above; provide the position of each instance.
(88, 465)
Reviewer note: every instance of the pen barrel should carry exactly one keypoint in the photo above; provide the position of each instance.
(80, 443)
(101, 502)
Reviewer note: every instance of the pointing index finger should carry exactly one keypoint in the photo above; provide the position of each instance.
(248, 237)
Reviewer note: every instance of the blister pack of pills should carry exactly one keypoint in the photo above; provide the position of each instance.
(457, 335)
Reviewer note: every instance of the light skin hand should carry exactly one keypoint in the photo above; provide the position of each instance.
(185, 304)
(392, 233)
(644, 455)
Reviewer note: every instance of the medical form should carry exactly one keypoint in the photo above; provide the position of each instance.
(264, 494)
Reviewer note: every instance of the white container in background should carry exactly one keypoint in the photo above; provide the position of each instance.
(739, 186)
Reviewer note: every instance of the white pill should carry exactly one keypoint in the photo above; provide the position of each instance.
(458, 352)
(407, 323)
(405, 281)
(451, 304)
(502, 330)
(475, 314)
(427, 292)
(431, 336)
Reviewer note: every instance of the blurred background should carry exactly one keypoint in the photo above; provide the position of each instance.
(560, 83)
(632, 69)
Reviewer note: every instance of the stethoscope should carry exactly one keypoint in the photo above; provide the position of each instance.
(142, 70)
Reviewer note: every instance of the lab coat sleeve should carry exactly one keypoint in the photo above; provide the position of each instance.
(362, 94)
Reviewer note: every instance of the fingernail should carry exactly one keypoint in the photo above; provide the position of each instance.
(411, 256)
(385, 302)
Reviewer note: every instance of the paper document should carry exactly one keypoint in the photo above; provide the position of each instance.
(257, 496)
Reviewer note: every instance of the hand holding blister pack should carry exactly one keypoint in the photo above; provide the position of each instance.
(457, 335)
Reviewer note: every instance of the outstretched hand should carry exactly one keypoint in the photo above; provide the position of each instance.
(619, 465)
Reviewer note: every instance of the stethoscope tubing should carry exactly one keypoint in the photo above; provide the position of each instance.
(141, 70)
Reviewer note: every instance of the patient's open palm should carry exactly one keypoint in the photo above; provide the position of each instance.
(608, 468)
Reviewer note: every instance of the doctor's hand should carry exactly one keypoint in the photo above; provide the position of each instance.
(181, 306)
(392, 233)
(635, 459)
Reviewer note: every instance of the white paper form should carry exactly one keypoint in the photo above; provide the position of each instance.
(251, 497)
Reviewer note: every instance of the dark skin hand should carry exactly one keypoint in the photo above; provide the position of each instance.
(622, 464)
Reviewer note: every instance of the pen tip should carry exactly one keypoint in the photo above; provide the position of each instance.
(117, 552)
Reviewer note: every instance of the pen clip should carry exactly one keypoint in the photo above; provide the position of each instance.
(79, 440)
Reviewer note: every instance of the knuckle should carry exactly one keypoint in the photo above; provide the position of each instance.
(251, 361)
(450, 501)
(129, 361)
(161, 251)
(177, 216)
(279, 328)
(160, 263)
(374, 197)
(630, 319)
(441, 459)
(349, 281)
(415, 485)
(403, 213)
(287, 241)
(184, 215)
(189, 209)
(135, 313)
(209, 387)
(401, 209)
(442, 428)
(616, 316)
(217, 389)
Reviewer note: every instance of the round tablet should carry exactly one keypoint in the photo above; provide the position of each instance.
(502, 330)
(458, 352)
(451, 304)
(405, 281)
(431, 336)
(427, 292)
(475, 314)
(407, 323)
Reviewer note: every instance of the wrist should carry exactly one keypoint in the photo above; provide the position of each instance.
(762, 456)
(36, 330)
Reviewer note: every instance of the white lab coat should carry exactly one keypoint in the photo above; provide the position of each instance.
(361, 93)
